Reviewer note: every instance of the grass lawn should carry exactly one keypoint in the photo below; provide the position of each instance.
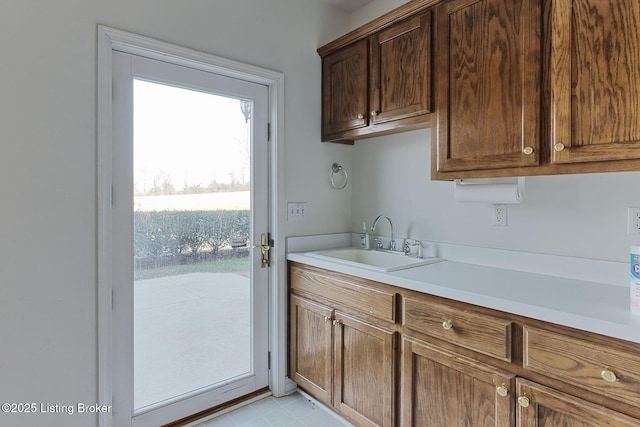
(234, 265)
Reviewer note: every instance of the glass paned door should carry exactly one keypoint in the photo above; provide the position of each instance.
(198, 187)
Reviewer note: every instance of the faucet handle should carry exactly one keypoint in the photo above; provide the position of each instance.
(378, 241)
(419, 244)
(406, 248)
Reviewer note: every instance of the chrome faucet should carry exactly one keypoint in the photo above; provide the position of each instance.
(392, 242)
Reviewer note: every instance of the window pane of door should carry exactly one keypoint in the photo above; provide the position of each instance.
(192, 258)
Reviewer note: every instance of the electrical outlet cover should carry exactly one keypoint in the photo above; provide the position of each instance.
(633, 221)
(499, 218)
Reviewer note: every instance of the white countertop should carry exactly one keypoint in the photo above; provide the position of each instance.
(594, 307)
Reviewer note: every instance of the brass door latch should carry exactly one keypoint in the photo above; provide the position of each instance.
(266, 243)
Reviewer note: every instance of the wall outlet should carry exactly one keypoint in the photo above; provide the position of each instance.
(499, 216)
(633, 221)
(296, 211)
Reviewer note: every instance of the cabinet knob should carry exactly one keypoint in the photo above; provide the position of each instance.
(446, 325)
(502, 390)
(327, 319)
(374, 113)
(360, 116)
(336, 322)
(608, 376)
(523, 401)
(528, 150)
(559, 146)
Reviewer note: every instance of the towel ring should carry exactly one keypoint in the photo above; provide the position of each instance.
(335, 169)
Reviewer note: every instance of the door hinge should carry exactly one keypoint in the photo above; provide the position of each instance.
(269, 360)
(268, 132)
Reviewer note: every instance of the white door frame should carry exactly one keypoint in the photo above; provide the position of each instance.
(110, 39)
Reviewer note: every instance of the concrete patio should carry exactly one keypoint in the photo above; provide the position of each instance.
(190, 331)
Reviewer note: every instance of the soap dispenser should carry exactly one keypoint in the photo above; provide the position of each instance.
(364, 236)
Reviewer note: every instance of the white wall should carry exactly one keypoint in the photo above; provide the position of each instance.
(48, 270)
(373, 10)
(573, 215)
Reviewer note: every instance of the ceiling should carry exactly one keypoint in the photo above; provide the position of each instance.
(347, 5)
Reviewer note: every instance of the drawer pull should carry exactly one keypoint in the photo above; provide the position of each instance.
(608, 376)
(336, 323)
(523, 401)
(528, 151)
(360, 116)
(502, 390)
(327, 319)
(447, 325)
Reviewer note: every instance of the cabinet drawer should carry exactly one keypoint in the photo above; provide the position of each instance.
(473, 330)
(345, 292)
(596, 367)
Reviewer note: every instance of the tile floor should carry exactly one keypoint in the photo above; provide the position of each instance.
(294, 410)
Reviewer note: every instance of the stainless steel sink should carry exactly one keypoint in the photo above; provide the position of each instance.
(371, 259)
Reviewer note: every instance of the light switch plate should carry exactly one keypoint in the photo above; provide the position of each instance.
(296, 211)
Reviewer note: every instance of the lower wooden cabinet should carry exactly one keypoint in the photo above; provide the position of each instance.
(310, 347)
(364, 372)
(440, 388)
(344, 362)
(540, 406)
(457, 364)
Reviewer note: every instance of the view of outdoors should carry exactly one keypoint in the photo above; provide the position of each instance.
(191, 229)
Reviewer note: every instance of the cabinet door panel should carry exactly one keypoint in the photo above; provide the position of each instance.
(344, 90)
(595, 80)
(551, 408)
(364, 372)
(401, 70)
(439, 388)
(488, 67)
(310, 347)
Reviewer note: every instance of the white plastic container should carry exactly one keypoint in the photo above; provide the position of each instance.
(364, 237)
(634, 261)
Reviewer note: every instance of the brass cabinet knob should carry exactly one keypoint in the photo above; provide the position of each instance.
(528, 150)
(559, 146)
(446, 325)
(523, 401)
(374, 113)
(608, 376)
(336, 322)
(327, 319)
(360, 116)
(502, 390)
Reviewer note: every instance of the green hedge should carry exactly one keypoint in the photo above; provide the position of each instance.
(172, 237)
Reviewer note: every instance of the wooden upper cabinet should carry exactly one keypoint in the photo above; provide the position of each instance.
(595, 80)
(379, 84)
(344, 90)
(488, 84)
(400, 76)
